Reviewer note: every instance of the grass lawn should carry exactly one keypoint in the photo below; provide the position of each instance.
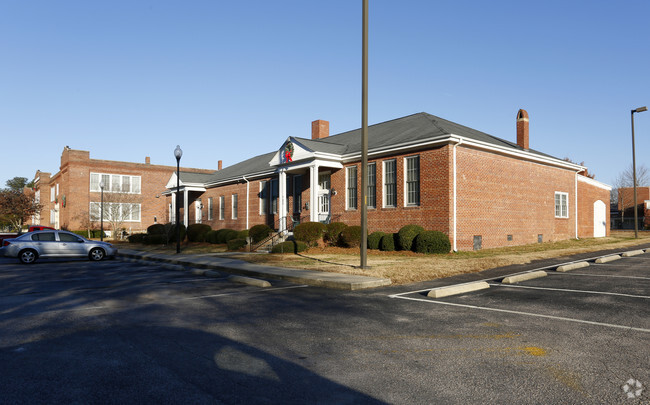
(409, 267)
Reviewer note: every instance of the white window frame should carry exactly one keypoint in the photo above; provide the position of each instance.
(372, 185)
(234, 205)
(383, 184)
(222, 207)
(561, 203)
(52, 194)
(135, 214)
(353, 187)
(114, 181)
(210, 207)
(407, 196)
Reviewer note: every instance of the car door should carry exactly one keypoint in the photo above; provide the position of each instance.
(45, 243)
(71, 245)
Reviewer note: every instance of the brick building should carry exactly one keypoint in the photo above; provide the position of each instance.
(71, 198)
(480, 190)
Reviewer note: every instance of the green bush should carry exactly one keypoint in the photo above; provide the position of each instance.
(236, 244)
(374, 239)
(136, 238)
(309, 232)
(230, 234)
(333, 231)
(432, 242)
(387, 243)
(94, 233)
(156, 229)
(406, 235)
(170, 231)
(155, 239)
(196, 232)
(290, 246)
(259, 232)
(351, 236)
(211, 236)
(242, 234)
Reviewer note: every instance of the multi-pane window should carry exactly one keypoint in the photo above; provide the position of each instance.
(561, 205)
(274, 196)
(264, 197)
(127, 212)
(222, 207)
(52, 193)
(210, 208)
(352, 187)
(372, 185)
(235, 203)
(390, 183)
(412, 180)
(297, 193)
(115, 183)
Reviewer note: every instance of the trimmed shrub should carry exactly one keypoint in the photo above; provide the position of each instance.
(230, 234)
(290, 246)
(259, 232)
(170, 231)
(351, 236)
(155, 239)
(309, 232)
(374, 239)
(333, 232)
(196, 232)
(406, 235)
(242, 234)
(236, 244)
(432, 242)
(156, 229)
(136, 238)
(211, 236)
(387, 243)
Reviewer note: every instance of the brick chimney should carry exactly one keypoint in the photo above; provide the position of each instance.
(147, 160)
(320, 129)
(220, 164)
(522, 129)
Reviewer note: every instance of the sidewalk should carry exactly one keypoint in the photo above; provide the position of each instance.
(242, 268)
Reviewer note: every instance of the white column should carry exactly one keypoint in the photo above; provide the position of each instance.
(313, 193)
(186, 208)
(282, 199)
(172, 216)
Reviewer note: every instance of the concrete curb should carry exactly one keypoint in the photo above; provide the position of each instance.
(572, 266)
(524, 277)
(249, 281)
(633, 253)
(607, 259)
(457, 289)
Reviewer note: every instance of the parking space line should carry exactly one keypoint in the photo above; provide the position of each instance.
(569, 290)
(508, 311)
(598, 275)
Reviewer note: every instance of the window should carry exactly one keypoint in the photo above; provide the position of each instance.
(372, 185)
(52, 217)
(222, 207)
(412, 181)
(561, 205)
(264, 197)
(351, 174)
(390, 183)
(234, 206)
(52, 193)
(115, 183)
(297, 193)
(66, 237)
(126, 212)
(210, 207)
(274, 196)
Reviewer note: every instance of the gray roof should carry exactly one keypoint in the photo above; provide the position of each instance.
(414, 128)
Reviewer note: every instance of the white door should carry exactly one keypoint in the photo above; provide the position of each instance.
(600, 219)
(198, 214)
(324, 181)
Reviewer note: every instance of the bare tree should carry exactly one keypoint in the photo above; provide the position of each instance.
(624, 181)
(118, 208)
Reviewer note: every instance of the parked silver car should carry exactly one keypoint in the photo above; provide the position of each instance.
(48, 244)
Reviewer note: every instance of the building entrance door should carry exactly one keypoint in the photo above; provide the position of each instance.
(600, 219)
(324, 206)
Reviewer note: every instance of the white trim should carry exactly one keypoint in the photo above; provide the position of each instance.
(566, 195)
(347, 201)
(594, 183)
(383, 183)
(459, 141)
(405, 177)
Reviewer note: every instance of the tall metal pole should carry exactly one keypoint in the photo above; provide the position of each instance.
(636, 214)
(178, 207)
(364, 141)
(101, 220)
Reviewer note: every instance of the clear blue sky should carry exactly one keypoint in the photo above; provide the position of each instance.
(229, 80)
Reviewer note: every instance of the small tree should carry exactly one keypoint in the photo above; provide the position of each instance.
(16, 207)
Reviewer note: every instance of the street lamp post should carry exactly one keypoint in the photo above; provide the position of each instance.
(636, 214)
(364, 138)
(178, 152)
(101, 212)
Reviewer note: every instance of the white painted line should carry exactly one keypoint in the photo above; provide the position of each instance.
(598, 275)
(575, 291)
(457, 289)
(572, 266)
(524, 277)
(558, 318)
(241, 292)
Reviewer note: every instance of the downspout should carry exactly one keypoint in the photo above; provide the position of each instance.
(455, 219)
(247, 194)
(576, 194)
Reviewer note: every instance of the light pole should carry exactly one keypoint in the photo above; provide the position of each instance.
(178, 152)
(364, 139)
(636, 214)
(101, 212)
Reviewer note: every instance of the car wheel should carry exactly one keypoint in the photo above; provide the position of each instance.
(96, 254)
(27, 256)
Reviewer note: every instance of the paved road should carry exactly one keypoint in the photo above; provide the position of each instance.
(117, 332)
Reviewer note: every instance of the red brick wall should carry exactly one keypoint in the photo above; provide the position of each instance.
(587, 195)
(626, 196)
